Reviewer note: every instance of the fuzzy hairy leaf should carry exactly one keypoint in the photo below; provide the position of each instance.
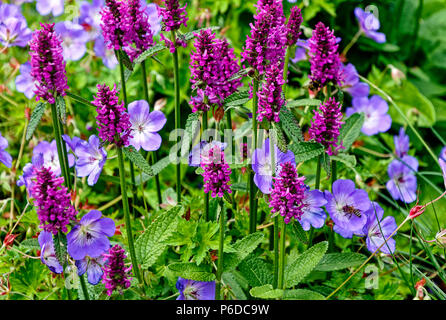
(150, 52)
(351, 130)
(303, 102)
(151, 244)
(191, 34)
(256, 271)
(290, 126)
(306, 150)
(236, 99)
(266, 292)
(279, 138)
(60, 247)
(297, 270)
(126, 60)
(302, 294)
(338, 261)
(348, 159)
(298, 231)
(231, 280)
(77, 98)
(192, 124)
(30, 244)
(61, 108)
(239, 74)
(191, 271)
(157, 168)
(138, 160)
(34, 121)
(242, 248)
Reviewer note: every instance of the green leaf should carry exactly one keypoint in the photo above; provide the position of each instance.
(239, 186)
(302, 294)
(326, 164)
(126, 60)
(191, 34)
(303, 102)
(239, 74)
(243, 248)
(35, 119)
(151, 244)
(290, 126)
(278, 137)
(138, 160)
(150, 52)
(192, 124)
(256, 271)
(348, 159)
(266, 292)
(338, 261)
(80, 99)
(30, 244)
(236, 99)
(298, 231)
(306, 150)
(230, 279)
(191, 271)
(227, 197)
(60, 247)
(61, 108)
(127, 74)
(297, 269)
(351, 130)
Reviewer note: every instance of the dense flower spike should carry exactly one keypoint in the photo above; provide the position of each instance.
(288, 193)
(212, 63)
(324, 58)
(326, 124)
(52, 201)
(113, 120)
(216, 175)
(116, 274)
(293, 25)
(47, 64)
(173, 15)
(270, 95)
(142, 34)
(268, 35)
(116, 24)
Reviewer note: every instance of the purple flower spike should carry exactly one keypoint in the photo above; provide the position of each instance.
(24, 82)
(324, 58)
(270, 95)
(90, 236)
(313, 213)
(401, 142)
(142, 34)
(375, 110)
(48, 66)
(326, 125)
(52, 202)
(145, 126)
(116, 274)
(351, 82)
(113, 120)
(216, 175)
(45, 7)
(74, 39)
(403, 182)
(116, 24)
(173, 15)
(201, 151)
(442, 162)
(376, 232)
(288, 193)
(93, 268)
(347, 206)
(5, 157)
(293, 25)
(261, 164)
(91, 159)
(195, 290)
(369, 24)
(47, 253)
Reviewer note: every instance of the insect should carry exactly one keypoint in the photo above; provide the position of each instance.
(349, 210)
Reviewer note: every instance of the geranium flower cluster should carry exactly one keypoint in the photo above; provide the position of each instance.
(212, 64)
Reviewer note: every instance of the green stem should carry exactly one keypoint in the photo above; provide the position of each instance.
(276, 252)
(252, 188)
(334, 173)
(125, 206)
(352, 42)
(281, 283)
(206, 195)
(154, 153)
(229, 125)
(285, 70)
(316, 187)
(177, 109)
(220, 250)
(84, 287)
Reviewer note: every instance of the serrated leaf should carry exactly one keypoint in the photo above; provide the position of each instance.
(303, 103)
(256, 271)
(227, 197)
(191, 34)
(279, 138)
(266, 292)
(298, 231)
(302, 294)
(138, 160)
(61, 108)
(150, 52)
(304, 151)
(339, 261)
(297, 270)
(239, 186)
(236, 99)
(126, 60)
(60, 247)
(243, 248)
(351, 130)
(348, 159)
(80, 99)
(192, 124)
(326, 164)
(230, 280)
(290, 126)
(127, 74)
(239, 74)
(30, 244)
(35, 118)
(191, 271)
(151, 244)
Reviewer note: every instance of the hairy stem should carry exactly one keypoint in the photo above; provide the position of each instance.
(252, 188)
(220, 250)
